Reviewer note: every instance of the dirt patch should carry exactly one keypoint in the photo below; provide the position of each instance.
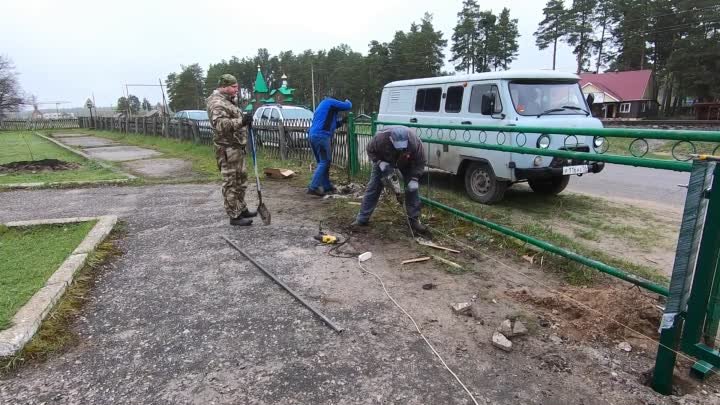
(44, 165)
(571, 313)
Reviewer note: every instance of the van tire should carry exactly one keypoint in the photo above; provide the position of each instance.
(482, 185)
(552, 186)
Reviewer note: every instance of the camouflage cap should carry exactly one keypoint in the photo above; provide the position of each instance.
(226, 80)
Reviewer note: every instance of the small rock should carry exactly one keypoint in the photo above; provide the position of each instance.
(555, 312)
(625, 346)
(704, 392)
(462, 308)
(506, 328)
(494, 301)
(614, 374)
(556, 339)
(186, 331)
(519, 329)
(543, 322)
(501, 342)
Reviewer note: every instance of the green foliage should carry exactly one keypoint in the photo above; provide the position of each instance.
(553, 27)
(483, 41)
(186, 88)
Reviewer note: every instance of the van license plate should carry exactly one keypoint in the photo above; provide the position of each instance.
(575, 169)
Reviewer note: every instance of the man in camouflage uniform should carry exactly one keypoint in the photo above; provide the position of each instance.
(230, 141)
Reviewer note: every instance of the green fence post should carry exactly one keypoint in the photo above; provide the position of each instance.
(373, 124)
(352, 147)
(666, 357)
(697, 307)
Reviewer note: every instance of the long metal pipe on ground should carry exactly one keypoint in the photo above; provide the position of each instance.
(288, 289)
(615, 272)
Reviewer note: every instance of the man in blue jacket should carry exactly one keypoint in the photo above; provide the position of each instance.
(325, 121)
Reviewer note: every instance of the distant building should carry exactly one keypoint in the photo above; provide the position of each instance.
(262, 94)
(621, 94)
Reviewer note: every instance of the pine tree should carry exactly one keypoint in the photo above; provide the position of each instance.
(487, 46)
(465, 37)
(507, 44)
(552, 28)
(581, 30)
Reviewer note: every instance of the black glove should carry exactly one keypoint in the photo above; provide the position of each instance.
(247, 119)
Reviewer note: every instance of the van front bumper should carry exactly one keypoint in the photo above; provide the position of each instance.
(554, 171)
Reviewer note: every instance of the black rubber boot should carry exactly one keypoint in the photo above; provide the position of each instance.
(248, 214)
(241, 221)
(417, 227)
(317, 192)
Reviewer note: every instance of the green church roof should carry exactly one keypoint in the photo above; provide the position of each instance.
(260, 85)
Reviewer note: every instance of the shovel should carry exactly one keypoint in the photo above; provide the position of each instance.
(261, 209)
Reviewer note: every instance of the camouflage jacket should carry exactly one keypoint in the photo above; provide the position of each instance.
(226, 120)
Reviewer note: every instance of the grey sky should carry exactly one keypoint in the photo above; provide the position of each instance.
(66, 50)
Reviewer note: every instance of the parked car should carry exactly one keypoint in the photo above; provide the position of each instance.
(510, 98)
(277, 112)
(289, 116)
(190, 115)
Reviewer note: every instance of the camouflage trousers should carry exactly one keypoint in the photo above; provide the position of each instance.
(231, 162)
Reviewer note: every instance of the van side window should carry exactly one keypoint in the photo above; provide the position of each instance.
(428, 99)
(264, 114)
(453, 101)
(274, 115)
(476, 94)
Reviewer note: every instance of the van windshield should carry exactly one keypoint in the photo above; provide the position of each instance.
(547, 98)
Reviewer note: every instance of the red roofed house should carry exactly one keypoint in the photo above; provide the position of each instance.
(621, 94)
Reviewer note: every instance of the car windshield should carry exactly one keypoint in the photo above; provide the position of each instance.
(296, 113)
(536, 98)
(198, 115)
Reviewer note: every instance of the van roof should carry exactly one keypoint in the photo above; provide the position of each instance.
(507, 74)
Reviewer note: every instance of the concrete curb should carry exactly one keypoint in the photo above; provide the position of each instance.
(29, 318)
(86, 156)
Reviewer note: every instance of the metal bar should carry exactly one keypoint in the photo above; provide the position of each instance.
(622, 160)
(678, 135)
(607, 269)
(666, 357)
(288, 289)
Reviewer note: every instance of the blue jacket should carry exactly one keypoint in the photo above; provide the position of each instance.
(325, 119)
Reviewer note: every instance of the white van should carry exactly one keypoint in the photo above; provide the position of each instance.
(510, 98)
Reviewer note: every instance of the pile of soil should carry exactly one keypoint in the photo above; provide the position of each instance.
(630, 307)
(44, 165)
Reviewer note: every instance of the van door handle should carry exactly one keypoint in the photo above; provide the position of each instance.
(466, 122)
(413, 119)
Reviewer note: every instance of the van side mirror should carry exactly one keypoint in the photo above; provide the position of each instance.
(487, 104)
(590, 100)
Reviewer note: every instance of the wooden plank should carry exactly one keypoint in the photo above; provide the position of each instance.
(434, 246)
(417, 260)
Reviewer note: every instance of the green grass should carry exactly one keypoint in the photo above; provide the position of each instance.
(202, 157)
(29, 257)
(25, 146)
(55, 334)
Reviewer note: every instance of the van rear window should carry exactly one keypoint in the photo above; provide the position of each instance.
(453, 101)
(428, 100)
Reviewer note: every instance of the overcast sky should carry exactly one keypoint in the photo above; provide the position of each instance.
(67, 50)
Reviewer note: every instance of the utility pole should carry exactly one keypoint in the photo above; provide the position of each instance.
(312, 80)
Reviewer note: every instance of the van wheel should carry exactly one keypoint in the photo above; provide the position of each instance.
(552, 186)
(481, 184)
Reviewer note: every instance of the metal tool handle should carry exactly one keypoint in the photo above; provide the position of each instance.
(251, 133)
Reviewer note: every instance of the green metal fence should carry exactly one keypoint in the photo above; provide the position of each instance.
(700, 309)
